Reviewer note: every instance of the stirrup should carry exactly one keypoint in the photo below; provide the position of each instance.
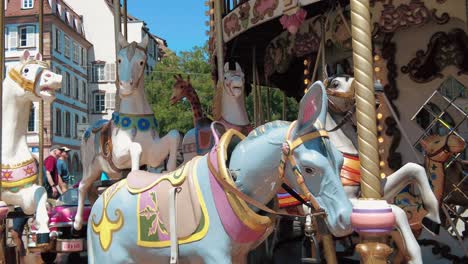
(173, 224)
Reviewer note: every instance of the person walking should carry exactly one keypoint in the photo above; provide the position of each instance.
(62, 169)
(51, 173)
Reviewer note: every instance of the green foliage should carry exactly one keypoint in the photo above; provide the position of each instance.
(196, 64)
(159, 88)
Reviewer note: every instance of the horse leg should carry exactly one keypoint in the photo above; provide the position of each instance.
(135, 154)
(91, 173)
(167, 145)
(413, 173)
(42, 217)
(412, 247)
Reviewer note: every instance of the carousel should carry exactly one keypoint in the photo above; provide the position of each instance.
(372, 169)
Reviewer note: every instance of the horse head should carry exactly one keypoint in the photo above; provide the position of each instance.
(441, 148)
(33, 79)
(180, 88)
(233, 80)
(131, 60)
(340, 90)
(317, 162)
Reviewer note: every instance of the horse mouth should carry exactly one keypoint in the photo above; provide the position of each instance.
(236, 90)
(47, 91)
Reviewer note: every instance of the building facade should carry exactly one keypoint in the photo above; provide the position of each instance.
(99, 28)
(65, 48)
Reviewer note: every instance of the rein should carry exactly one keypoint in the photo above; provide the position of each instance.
(300, 179)
(346, 118)
(24, 83)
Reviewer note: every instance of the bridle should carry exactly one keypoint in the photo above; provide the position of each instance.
(288, 154)
(24, 83)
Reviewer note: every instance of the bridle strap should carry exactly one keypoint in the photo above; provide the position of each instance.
(288, 150)
(24, 83)
(233, 190)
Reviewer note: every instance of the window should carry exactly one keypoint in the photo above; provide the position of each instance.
(83, 120)
(99, 102)
(26, 36)
(110, 100)
(58, 71)
(75, 88)
(32, 123)
(58, 36)
(67, 124)
(58, 122)
(67, 47)
(84, 93)
(76, 54)
(83, 57)
(27, 4)
(76, 125)
(98, 72)
(67, 83)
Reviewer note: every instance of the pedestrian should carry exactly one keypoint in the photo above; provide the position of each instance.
(51, 173)
(62, 169)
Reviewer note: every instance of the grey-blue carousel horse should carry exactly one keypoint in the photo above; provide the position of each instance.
(199, 212)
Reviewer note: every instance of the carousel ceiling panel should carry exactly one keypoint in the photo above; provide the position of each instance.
(253, 13)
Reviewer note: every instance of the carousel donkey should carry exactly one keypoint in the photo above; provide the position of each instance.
(229, 109)
(200, 212)
(343, 135)
(130, 139)
(29, 81)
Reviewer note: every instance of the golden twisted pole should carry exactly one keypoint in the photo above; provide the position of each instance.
(365, 100)
(373, 248)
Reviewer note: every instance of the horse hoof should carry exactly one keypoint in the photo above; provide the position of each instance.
(431, 226)
(42, 239)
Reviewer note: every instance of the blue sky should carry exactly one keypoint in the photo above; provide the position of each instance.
(180, 23)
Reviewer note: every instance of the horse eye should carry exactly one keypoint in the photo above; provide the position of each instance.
(309, 170)
(26, 70)
(119, 60)
(335, 84)
(141, 63)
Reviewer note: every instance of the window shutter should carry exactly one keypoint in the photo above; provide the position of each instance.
(54, 38)
(14, 39)
(30, 36)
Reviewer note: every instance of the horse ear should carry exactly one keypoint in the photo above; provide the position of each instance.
(312, 110)
(38, 57)
(226, 67)
(25, 56)
(122, 41)
(238, 67)
(144, 42)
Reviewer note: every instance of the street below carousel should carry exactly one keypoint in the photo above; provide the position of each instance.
(62, 258)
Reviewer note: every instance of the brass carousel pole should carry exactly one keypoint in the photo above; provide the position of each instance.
(117, 30)
(125, 28)
(373, 247)
(2, 65)
(218, 9)
(41, 102)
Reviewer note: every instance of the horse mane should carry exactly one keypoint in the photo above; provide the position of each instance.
(266, 127)
(217, 103)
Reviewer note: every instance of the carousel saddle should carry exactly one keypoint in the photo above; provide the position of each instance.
(153, 189)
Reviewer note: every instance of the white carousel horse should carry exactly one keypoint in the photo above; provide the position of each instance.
(131, 138)
(29, 81)
(341, 100)
(229, 109)
(134, 221)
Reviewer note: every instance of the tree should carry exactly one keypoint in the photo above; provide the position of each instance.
(196, 64)
(159, 88)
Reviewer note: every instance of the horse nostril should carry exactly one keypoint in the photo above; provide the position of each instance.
(48, 75)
